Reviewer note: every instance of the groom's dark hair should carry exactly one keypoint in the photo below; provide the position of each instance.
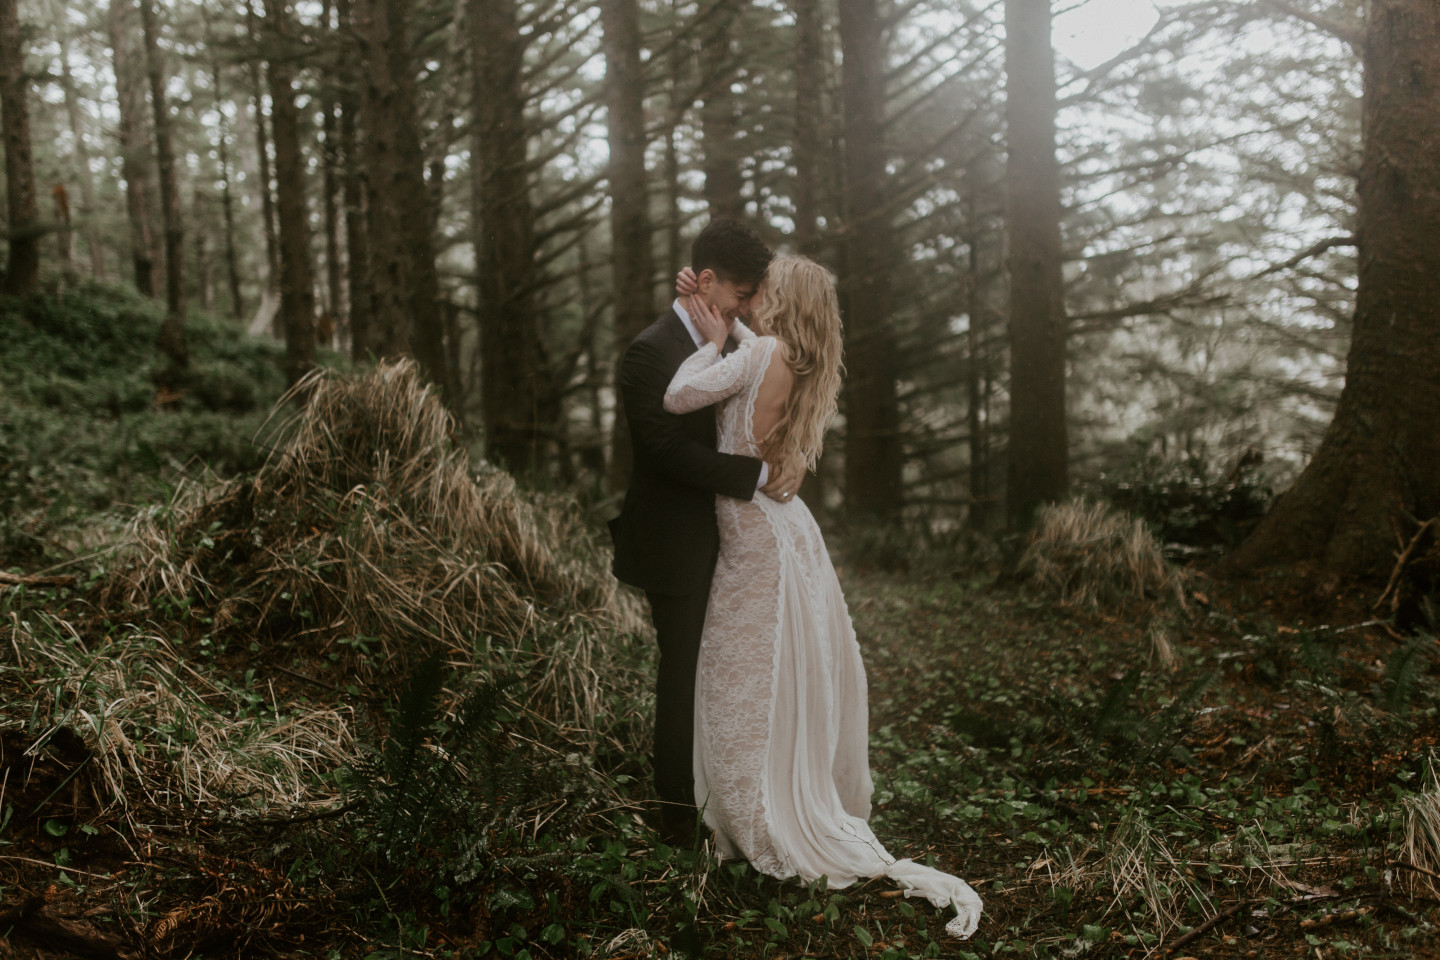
(732, 249)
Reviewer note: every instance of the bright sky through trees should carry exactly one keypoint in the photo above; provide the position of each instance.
(1093, 31)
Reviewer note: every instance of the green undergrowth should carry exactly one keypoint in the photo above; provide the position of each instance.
(1102, 805)
(85, 425)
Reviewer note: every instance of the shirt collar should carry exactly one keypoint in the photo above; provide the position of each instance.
(684, 316)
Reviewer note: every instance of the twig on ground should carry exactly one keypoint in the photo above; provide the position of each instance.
(308, 679)
(1208, 925)
(54, 866)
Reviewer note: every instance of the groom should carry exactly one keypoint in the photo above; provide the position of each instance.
(666, 538)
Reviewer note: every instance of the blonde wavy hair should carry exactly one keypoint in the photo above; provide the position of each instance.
(801, 310)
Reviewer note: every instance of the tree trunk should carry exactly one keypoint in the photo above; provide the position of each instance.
(1378, 468)
(632, 263)
(873, 455)
(360, 302)
(227, 207)
(64, 232)
(23, 271)
(172, 333)
(1037, 469)
(262, 149)
(680, 57)
(297, 284)
(809, 80)
(135, 156)
(407, 310)
(201, 233)
(718, 112)
(82, 160)
(329, 164)
(977, 358)
(516, 394)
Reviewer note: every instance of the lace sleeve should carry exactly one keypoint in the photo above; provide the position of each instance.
(706, 378)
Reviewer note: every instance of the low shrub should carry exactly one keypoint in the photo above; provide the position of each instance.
(1191, 507)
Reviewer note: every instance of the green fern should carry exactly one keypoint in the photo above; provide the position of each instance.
(1404, 673)
(426, 778)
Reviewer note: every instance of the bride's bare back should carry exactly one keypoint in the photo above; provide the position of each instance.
(774, 391)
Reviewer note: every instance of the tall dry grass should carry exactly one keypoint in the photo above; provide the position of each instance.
(1090, 554)
(1421, 847)
(368, 529)
(161, 731)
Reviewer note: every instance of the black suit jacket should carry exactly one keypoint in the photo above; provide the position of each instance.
(666, 537)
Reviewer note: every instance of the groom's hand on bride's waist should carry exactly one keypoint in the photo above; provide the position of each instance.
(785, 477)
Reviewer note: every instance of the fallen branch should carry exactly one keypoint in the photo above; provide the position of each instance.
(28, 920)
(1399, 570)
(1410, 866)
(20, 580)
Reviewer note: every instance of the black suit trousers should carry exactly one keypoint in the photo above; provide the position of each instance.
(679, 621)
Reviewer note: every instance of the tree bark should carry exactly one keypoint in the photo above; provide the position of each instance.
(83, 175)
(1037, 467)
(1377, 470)
(297, 283)
(632, 263)
(23, 270)
(172, 332)
(873, 455)
(718, 119)
(516, 395)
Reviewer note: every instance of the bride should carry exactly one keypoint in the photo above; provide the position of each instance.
(782, 767)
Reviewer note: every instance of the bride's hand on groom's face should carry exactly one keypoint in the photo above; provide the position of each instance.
(710, 324)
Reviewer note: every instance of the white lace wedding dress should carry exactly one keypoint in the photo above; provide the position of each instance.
(782, 767)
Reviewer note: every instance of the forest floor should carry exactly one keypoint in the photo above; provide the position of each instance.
(1102, 803)
(204, 753)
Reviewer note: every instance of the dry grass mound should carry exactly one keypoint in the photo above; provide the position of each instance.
(1422, 836)
(1093, 555)
(367, 533)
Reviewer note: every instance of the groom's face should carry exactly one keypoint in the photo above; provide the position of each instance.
(729, 298)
